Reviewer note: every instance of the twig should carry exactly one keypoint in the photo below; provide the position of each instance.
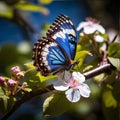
(26, 98)
(97, 71)
(32, 94)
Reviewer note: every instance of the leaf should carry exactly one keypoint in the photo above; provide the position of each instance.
(43, 78)
(87, 68)
(108, 99)
(5, 101)
(28, 89)
(32, 8)
(33, 81)
(81, 55)
(5, 10)
(99, 78)
(55, 105)
(114, 50)
(115, 62)
(1, 92)
(79, 48)
(30, 65)
(4, 98)
(45, 1)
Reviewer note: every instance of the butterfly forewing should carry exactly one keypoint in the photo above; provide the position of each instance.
(63, 32)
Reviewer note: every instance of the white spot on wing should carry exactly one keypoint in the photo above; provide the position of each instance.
(59, 34)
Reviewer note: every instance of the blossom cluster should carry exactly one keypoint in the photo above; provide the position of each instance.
(11, 84)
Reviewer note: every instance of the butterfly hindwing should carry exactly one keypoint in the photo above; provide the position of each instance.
(48, 56)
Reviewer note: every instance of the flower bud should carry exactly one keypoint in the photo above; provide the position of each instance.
(11, 82)
(20, 75)
(25, 84)
(15, 69)
(2, 80)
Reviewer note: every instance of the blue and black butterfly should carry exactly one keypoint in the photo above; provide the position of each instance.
(55, 52)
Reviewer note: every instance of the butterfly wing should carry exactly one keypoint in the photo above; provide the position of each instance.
(55, 52)
(48, 57)
(64, 33)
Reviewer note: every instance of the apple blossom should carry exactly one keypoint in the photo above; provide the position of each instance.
(73, 85)
(91, 26)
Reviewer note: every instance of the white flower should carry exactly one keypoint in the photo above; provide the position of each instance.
(90, 26)
(73, 85)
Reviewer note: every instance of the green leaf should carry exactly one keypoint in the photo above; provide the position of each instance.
(4, 98)
(87, 68)
(32, 8)
(5, 101)
(30, 65)
(108, 99)
(45, 1)
(43, 78)
(1, 92)
(80, 56)
(55, 105)
(5, 10)
(115, 62)
(28, 89)
(79, 48)
(33, 81)
(114, 50)
(99, 78)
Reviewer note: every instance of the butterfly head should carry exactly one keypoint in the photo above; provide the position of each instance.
(71, 65)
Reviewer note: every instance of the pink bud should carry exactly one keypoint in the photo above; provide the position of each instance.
(2, 80)
(15, 69)
(11, 82)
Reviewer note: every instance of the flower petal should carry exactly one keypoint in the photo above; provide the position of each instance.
(73, 95)
(78, 76)
(98, 38)
(89, 29)
(84, 90)
(82, 25)
(99, 28)
(60, 85)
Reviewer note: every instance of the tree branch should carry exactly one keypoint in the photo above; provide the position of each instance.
(97, 71)
(30, 95)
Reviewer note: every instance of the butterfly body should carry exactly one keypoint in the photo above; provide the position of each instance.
(56, 51)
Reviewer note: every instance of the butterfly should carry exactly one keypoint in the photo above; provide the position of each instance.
(55, 52)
